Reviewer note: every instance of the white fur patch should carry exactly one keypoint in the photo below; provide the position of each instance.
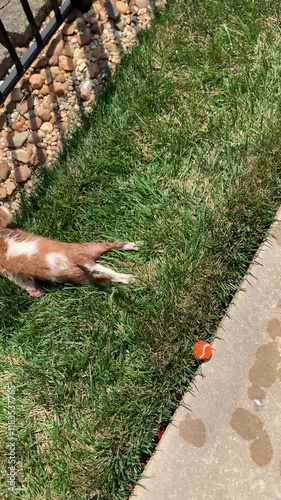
(115, 277)
(57, 262)
(16, 248)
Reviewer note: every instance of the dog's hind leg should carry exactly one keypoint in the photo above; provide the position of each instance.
(101, 273)
(95, 250)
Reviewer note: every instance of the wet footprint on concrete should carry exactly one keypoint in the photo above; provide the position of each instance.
(193, 431)
(264, 371)
(250, 427)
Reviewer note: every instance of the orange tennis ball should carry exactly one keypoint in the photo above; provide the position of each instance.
(202, 350)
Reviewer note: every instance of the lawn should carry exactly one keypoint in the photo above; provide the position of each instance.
(182, 152)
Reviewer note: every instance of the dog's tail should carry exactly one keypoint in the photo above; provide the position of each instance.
(6, 218)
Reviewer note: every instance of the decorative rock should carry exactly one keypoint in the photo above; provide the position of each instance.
(36, 81)
(10, 107)
(15, 140)
(80, 24)
(112, 10)
(42, 62)
(60, 88)
(47, 128)
(60, 77)
(54, 71)
(93, 70)
(34, 123)
(85, 94)
(45, 90)
(5, 170)
(103, 64)
(90, 15)
(62, 124)
(98, 53)
(68, 50)
(120, 25)
(16, 94)
(53, 61)
(55, 47)
(22, 155)
(30, 114)
(10, 187)
(35, 137)
(75, 64)
(18, 126)
(22, 174)
(3, 193)
(84, 39)
(121, 6)
(39, 157)
(52, 98)
(82, 66)
(97, 28)
(68, 29)
(44, 114)
(78, 53)
(53, 118)
(66, 63)
(142, 4)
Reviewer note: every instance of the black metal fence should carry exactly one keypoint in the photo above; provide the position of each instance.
(40, 40)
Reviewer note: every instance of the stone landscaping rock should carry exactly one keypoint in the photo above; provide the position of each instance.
(39, 157)
(112, 10)
(65, 78)
(44, 114)
(16, 94)
(97, 28)
(60, 88)
(34, 123)
(142, 4)
(22, 174)
(5, 170)
(36, 81)
(47, 128)
(66, 63)
(53, 60)
(94, 70)
(69, 29)
(85, 94)
(60, 77)
(41, 63)
(55, 47)
(10, 186)
(15, 140)
(35, 137)
(22, 155)
(18, 126)
(122, 7)
(3, 193)
(68, 50)
(84, 39)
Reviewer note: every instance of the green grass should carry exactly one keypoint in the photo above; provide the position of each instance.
(182, 152)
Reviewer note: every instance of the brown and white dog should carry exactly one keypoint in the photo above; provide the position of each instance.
(25, 257)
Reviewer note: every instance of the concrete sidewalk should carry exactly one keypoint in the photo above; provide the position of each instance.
(227, 445)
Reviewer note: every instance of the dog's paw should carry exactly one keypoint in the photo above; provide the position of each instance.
(34, 292)
(132, 246)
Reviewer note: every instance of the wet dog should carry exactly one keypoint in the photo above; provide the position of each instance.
(25, 258)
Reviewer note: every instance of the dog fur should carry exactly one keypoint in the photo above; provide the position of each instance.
(25, 257)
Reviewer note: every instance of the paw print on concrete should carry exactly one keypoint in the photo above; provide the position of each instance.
(264, 372)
